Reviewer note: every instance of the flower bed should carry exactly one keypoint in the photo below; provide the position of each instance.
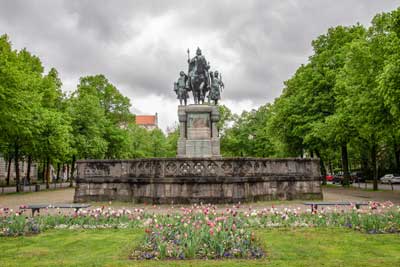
(198, 233)
(18, 223)
(203, 231)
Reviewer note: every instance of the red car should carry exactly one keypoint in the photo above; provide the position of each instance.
(329, 178)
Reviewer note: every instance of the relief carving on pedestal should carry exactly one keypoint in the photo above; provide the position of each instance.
(96, 171)
(170, 168)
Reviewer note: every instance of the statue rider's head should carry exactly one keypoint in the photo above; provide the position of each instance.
(216, 73)
(198, 51)
(182, 73)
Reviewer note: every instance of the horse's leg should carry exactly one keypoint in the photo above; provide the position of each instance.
(201, 87)
(194, 95)
(196, 100)
(198, 95)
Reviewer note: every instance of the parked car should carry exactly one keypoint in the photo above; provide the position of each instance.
(329, 177)
(390, 178)
(338, 178)
(358, 177)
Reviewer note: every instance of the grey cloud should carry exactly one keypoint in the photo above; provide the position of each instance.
(255, 44)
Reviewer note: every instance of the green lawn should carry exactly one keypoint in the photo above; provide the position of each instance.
(299, 247)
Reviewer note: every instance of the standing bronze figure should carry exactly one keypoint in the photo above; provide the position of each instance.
(216, 87)
(180, 88)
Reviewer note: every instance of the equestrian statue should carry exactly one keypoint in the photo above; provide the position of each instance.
(199, 80)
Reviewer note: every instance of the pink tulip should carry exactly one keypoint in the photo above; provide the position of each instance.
(211, 231)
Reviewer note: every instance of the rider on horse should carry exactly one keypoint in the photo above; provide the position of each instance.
(198, 76)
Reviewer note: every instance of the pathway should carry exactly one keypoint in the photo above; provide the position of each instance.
(13, 201)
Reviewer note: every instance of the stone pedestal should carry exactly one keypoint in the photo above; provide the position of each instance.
(198, 132)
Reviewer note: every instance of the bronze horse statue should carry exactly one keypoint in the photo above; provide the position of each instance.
(199, 79)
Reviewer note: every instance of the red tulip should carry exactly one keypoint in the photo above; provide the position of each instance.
(211, 231)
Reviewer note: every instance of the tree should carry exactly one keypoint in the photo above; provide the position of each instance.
(172, 141)
(248, 135)
(20, 98)
(88, 121)
(139, 141)
(115, 107)
(54, 138)
(158, 143)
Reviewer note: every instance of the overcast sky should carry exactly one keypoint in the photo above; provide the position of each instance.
(140, 46)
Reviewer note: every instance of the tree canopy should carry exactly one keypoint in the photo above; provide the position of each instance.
(341, 106)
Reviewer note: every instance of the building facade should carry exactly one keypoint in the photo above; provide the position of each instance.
(149, 122)
(23, 168)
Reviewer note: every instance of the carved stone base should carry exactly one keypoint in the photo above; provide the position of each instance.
(206, 180)
(198, 131)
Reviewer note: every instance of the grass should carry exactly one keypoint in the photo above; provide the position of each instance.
(284, 247)
(330, 247)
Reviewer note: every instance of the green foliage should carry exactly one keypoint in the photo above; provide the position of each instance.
(172, 142)
(88, 123)
(32, 123)
(41, 123)
(342, 106)
(249, 135)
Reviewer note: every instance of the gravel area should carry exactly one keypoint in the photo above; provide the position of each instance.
(13, 201)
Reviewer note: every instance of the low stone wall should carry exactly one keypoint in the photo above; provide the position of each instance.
(207, 180)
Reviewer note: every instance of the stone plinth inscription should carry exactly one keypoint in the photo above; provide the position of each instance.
(198, 126)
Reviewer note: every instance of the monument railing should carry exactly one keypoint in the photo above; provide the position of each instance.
(199, 167)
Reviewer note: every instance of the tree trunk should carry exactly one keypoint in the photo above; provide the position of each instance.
(67, 171)
(71, 181)
(397, 157)
(63, 171)
(28, 171)
(322, 167)
(345, 165)
(365, 165)
(47, 178)
(9, 170)
(58, 171)
(373, 163)
(16, 163)
(44, 171)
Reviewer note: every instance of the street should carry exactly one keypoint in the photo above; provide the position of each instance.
(396, 187)
(31, 188)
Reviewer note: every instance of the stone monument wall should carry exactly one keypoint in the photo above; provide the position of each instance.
(195, 180)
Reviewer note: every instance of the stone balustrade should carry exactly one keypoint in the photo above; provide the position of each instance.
(194, 180)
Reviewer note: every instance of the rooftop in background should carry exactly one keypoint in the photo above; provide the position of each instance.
(147, 121)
